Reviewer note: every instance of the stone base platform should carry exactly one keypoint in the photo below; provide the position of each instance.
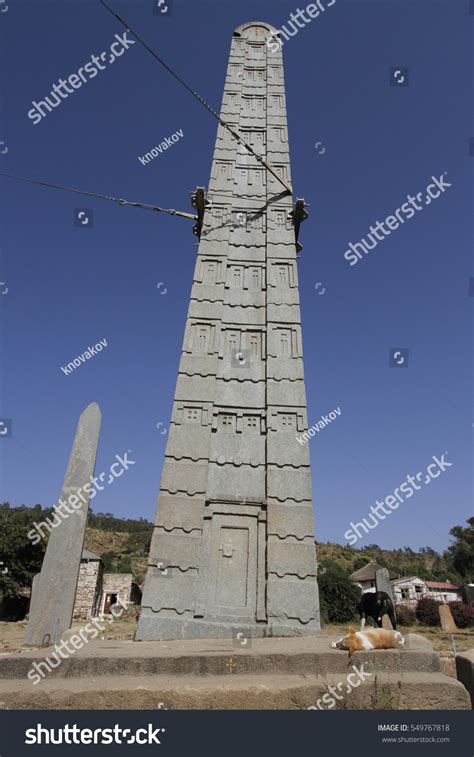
(278, 673)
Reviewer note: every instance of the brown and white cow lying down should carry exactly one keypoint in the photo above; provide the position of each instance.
(371, 638)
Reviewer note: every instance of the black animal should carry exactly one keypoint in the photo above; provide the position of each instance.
(374, 605)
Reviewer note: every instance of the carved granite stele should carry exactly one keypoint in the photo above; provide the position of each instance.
(233, 544)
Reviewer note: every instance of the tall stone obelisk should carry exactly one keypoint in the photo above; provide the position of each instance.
(233, 544)
(54, 589)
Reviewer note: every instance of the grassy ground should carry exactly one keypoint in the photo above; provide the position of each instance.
(11, 634)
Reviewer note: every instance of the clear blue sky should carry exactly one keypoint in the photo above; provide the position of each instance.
(71, 287)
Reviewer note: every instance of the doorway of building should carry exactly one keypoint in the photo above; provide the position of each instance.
(110, 599)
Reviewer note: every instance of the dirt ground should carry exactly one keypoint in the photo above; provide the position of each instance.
(11, 635)
(464, 639)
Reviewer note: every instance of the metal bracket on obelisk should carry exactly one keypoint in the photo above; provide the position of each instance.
(199, 201)
(298, 215)
(55, 586)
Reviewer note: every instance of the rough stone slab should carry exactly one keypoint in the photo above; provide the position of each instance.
(235, 692)
(291, 520)
(55, 587)
(183, 477)
(175, 549)
(287, 558)
(446, 618)
(293, 598)
(180, 512)
(289, 484)
(465, 671)
(383, 583)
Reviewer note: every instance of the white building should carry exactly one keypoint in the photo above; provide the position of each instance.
(410, 589)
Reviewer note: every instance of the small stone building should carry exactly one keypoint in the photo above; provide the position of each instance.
(89, 586)
(98, 591)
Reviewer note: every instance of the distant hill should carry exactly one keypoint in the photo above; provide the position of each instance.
(426, 563)
(124, 543)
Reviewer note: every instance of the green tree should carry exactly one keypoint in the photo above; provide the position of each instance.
(461, 553)
(339, 595)
(20, 557)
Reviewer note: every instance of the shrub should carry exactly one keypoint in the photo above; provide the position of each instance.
(406, 615)
(463, 614)
(339, 595)
(427, 612)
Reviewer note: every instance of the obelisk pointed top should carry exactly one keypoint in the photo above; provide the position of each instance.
(93, 408)
(242, 27)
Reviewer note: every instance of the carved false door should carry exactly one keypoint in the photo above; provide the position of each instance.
(232, 575)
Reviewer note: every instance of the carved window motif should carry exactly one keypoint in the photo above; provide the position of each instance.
(254, 104)
(282, 170)
(192, 415)
(254, 344)
(255, 138)
(255, 75)
(202, 338)
(277, 134)
(285, 342)
(252, 422)
(287, 422)
(210, 272)
(275, 73)
(279, 218)
(233, 340)
(255, 278)
(231, 98)
(276, 102)
(234, 71)
(223, 170)
(283, 275)
(235, 276)
(256, 50)
(226, 422)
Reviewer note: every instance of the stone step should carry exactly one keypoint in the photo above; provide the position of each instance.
(394, 691)
(300, 656)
